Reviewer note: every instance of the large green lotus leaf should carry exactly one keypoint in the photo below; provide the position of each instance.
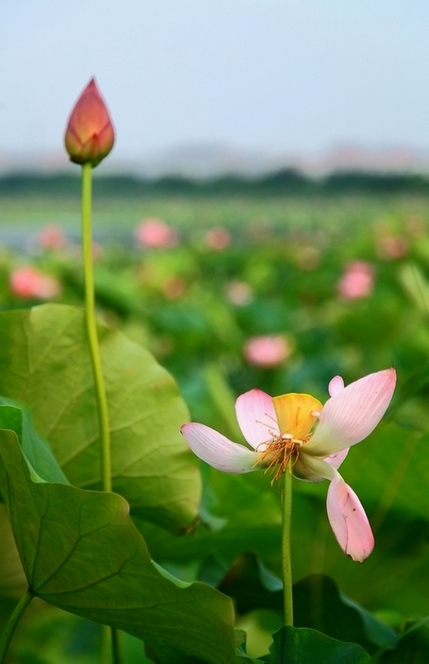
(45, 365)
(12, 578)
(412, 645)
(81, 552)
(238, 514)
(317, 602)
(16, 417)
(13, 583)
(306, 646)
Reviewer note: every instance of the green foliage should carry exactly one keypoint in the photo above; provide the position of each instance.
(12, 578)
(46, 366)
(60, 533)
(412, 645)
(286, 181)
(319, 604)
(182, 302)
(305, 646)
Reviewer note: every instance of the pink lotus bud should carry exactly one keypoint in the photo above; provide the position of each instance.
(89, 135)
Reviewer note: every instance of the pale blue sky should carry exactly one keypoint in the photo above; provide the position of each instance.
(274, 74)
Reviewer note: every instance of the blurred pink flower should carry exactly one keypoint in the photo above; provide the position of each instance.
(174, 288)
(267, 351)
(297, 433)
(218, 238)
(392, 247)
(357, 280)
(155, 233)
(28, 282)
(52, 237)
(239, 293)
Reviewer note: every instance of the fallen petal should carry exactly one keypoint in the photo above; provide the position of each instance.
(348, 520)
(256, 417)
(353, 413)
(217, 450)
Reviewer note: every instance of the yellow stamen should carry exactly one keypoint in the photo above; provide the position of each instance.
(296, 415)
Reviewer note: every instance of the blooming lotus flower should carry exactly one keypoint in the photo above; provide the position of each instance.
(297, 429)
(89, 134)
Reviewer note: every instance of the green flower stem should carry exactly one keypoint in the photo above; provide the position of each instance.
(97, 370)
(286, 555)
(105, 644)
(117, 646)
(110, 642)
(12, 623)
(94, 348)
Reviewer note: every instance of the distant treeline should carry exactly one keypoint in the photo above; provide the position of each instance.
(283, 182)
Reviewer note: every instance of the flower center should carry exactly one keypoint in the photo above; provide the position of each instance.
(279, 451)
(296, 415)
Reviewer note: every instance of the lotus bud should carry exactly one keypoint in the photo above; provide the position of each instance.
(89, 135)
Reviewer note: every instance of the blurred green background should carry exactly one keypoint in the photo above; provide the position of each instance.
(280, 292)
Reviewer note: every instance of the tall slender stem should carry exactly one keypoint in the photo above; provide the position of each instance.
(117, 646)
(286, 553)
(94, 348)
(105, 644)
(12, 623)
(97, 370)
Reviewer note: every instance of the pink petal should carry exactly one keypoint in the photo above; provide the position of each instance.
(348, 520)
(336, 385)
(218, 451)
(256, 417)
(335, 460)
(353, 413)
